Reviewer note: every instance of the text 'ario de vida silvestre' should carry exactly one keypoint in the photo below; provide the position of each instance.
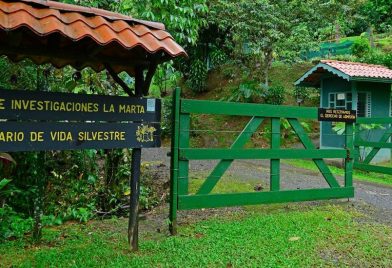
(62, 136)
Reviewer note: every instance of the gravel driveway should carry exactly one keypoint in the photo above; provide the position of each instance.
(371, 199)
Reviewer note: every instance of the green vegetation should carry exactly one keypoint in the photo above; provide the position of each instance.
(227, 184)
(373, 177)
(287, 235)
(234, 54)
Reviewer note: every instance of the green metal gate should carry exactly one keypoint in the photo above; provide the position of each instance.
(361, 143)
(182, 153)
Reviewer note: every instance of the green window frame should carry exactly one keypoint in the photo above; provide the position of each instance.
(364, 104)
(335, 100)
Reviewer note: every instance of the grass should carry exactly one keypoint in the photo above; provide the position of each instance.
(373, 177)
(279, 235)
(287, 236)
(228, 184)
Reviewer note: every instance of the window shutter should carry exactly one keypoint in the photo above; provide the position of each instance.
(368, 104)
(390, 105)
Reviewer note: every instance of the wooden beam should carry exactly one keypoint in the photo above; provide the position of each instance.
(73, 55)
(150, 74)
(119, 80)
(139, 81)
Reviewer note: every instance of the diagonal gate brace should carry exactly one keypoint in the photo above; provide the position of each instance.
(324, 169)
(224, 164)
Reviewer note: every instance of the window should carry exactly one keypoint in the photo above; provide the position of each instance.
(341, 100)
(344, 100)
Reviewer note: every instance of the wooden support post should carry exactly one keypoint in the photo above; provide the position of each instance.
(133, 224)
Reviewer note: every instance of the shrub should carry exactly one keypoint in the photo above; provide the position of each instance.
(274, 95)
(246, 92)
(360, 47)
(197, 76)
(12, 224)
(378, 57)
(218, 57)
(388, 60)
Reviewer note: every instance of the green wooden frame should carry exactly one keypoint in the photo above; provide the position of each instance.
(182, 153)
(365, 164)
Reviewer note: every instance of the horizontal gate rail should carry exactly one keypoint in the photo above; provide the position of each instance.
(373, 144)
(246, 109)
(230, 154)
(374, 120)
(242, 199)
(373, 168)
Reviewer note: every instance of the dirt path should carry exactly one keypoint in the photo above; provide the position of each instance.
(371, 199)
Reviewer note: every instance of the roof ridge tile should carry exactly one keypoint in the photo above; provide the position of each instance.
(354, 63)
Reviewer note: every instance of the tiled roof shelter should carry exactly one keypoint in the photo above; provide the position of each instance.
(63, 34)
(350, 71)
(365, 88)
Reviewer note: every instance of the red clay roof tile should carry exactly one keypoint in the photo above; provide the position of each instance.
(357, 69)
(77, 24)
(346, 70)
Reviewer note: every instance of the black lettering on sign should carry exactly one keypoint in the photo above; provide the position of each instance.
(35, 105)
(337, 115)
(42, 136)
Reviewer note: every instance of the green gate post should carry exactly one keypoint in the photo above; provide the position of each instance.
(275, 163)
(183, 165)
(174, 162)
(348, 177)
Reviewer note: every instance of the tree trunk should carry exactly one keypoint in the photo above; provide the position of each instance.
(268, 57)
(371, 36)
(40, 179)
(337, 31)
(37, 229)
(38, 205)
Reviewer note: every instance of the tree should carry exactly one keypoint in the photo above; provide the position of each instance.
(272, 28)
(337, 16)
(183, 19)
(377, 13)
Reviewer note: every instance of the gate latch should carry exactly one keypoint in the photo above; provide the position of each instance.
(348, 156)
